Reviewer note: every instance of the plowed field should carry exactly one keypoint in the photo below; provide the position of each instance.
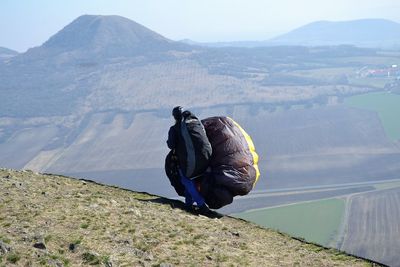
(373, 226)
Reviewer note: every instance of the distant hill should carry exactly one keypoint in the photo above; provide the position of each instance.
(7, 53)
(58, 221)
(365, 33)
(69, 66)
(374, 33)
(105, 37)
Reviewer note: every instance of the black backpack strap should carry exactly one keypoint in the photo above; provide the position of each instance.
(191, 157)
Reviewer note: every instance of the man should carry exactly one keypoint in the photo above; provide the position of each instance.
(232, 169)
(191, 152)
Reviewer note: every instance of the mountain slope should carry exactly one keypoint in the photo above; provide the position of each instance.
(91, 36)
(6, 51)
(91, 30)
(365, 32)
(59, 75)
(47, 219)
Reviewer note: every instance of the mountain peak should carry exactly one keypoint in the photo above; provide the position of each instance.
(362, 32)
(92, 39)
(107, 36)
(91, 30)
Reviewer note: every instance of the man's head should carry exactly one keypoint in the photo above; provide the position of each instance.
(177, 113)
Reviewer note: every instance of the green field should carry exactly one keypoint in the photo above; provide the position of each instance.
(324, 72)
(377, 82)
(388, 60)
(390, 185)
(316, 221)
(388, 107)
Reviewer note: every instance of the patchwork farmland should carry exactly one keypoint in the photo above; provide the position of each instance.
(361, 219)
(372, 226)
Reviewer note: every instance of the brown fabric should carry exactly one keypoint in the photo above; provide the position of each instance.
(231, 162)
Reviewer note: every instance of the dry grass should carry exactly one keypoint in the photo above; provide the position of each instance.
(83, 223)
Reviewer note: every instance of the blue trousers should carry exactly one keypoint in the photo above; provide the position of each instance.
(191, 193)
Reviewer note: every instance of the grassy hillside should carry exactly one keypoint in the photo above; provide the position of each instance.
(59, 221)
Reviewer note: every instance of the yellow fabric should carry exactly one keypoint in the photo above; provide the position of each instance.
(252, 150)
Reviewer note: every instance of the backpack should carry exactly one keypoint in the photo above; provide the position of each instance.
(198, 148)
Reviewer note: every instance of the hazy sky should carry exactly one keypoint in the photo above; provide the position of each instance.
(28, 23)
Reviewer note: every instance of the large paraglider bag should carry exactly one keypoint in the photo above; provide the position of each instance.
(171, 170)
(234, 160)
(237, 180)
(198, 147)
(216, 196)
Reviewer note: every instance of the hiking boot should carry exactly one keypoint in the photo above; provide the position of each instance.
(205, 211)
(190, 209)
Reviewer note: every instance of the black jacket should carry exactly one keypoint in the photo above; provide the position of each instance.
(173, 133)
(188, 139)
